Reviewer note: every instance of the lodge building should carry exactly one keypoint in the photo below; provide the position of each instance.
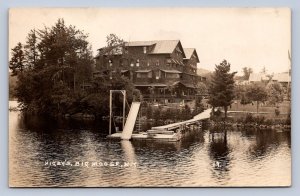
(162, 70)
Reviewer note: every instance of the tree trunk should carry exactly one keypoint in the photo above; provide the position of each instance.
(225, 110)
(257, 103)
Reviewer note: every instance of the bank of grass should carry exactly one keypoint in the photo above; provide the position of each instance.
(246, 115)
(284, 108)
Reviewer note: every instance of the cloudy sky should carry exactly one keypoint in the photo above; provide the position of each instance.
(253, 38)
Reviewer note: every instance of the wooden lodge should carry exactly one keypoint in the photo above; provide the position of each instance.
(162, 70)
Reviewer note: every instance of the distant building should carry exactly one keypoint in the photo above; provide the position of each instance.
(258, 77)
(283, 78)
(162, 70)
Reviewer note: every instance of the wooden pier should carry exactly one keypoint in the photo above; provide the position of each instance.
(170, 132)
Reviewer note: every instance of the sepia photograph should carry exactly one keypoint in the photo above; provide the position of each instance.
(149, 97)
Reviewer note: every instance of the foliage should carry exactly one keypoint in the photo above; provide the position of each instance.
(246, 72)
(31, 50)
(275, 92)
(104, 84)
(12, 81)
(17, 62)
(186, 113)
(201, 88)
(251, 119)
(50, 67)
(240, 93)
(256, 92)
(221, 91)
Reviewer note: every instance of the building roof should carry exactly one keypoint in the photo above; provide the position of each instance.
(189, 52)
(160, 46)
(257, 77)
(282, 77)
(140, 43)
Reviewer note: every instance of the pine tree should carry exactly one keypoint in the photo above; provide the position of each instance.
(17, 62)
(31, 50)
(221, 90)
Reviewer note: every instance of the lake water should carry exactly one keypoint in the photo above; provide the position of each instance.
(243, 158)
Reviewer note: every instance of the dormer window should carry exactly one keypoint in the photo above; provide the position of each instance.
(145, 49)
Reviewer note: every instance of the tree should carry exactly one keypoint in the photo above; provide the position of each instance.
(264, 70)
(17, 62)
(257, 92)
(31, 50)
(221, 91)
(247, 71)
(56, 61)
(275, 92)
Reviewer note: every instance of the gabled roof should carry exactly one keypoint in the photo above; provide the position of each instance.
(160, 46)
(189, 52)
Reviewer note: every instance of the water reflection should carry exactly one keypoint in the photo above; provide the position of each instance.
(242, 157)
(219, 154)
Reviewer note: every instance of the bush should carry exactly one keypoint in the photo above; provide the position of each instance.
(269, 122)
(249, 118)
(260, 120)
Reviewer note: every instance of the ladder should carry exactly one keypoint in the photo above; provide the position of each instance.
(138, 124)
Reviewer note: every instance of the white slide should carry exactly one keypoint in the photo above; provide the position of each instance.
(130, 122)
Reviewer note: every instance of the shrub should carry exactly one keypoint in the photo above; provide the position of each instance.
(249, 118)
(260, 120)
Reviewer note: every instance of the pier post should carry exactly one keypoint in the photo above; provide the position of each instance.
(110, 110)
(124, 106)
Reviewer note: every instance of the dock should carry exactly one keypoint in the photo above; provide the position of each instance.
(202, 116)
(169, 132)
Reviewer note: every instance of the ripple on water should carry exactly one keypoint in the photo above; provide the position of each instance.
(243, 158)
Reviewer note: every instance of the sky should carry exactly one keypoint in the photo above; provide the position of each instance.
(245, 37)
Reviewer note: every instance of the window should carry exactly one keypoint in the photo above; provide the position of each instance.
(157, 75)
(145, 49)
(131, 63)
(137, 62)
(110, 62)
(148, 63)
